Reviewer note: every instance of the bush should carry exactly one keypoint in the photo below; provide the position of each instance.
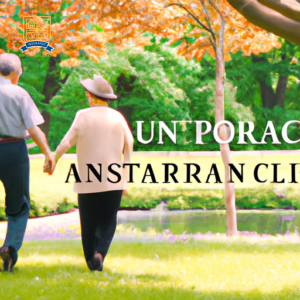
(210, 199)
(181, 199)
(2, 214)
(65, 207)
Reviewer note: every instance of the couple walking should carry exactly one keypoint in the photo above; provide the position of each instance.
(101, 136)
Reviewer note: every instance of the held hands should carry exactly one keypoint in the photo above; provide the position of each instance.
(50, 163)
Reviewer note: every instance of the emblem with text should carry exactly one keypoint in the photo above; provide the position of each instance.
(36, 32)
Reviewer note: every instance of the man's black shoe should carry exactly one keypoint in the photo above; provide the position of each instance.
(8, 257)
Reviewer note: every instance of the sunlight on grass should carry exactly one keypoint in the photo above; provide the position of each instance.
(230, 269)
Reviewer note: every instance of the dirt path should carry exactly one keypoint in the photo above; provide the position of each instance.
(59, 226)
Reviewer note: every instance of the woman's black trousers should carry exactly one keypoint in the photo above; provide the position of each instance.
(98, 218)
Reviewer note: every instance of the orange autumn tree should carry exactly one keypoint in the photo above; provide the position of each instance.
(203, 26)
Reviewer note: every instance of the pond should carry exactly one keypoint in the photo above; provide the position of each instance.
(193, 221)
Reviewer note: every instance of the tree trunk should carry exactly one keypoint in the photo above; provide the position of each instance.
(266, 91)
(218, 44)
(51, 87)
(268, 96)
(231, 221)
(282, 83)
(280, 91)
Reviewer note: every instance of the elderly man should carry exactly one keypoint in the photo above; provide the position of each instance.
(19, 117)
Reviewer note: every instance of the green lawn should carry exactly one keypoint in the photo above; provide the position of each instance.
(221, 269)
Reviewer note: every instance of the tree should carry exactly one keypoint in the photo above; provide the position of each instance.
(271, 70)
(281, 17)
(282, 64)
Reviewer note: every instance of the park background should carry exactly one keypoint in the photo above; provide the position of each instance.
(181, 252)
(153, 83)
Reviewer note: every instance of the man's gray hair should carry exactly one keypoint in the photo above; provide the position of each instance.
(10, 63)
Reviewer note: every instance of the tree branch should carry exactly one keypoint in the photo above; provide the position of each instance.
(208, 21)
(194, 17)
(221, 40)
(268, 19)
(288, 8)
(213, 43)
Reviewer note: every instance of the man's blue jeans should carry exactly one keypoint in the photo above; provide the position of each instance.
(14, 173)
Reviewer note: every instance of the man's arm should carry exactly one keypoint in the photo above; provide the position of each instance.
(40, 139)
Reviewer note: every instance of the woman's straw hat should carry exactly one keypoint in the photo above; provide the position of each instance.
(99, 87)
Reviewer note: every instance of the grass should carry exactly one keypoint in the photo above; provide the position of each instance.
(49, 192)
(220, 269)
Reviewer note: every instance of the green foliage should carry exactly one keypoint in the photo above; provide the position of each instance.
(181, 199)
(90, 27)
(141, 82)
(244, 77)
(279, 117)
(248, 74)
(65, 207)
(198, 83)
(209, 199)
(2, 214)
(33, 78)
(3, 44)
(35, 210)
(141, 198)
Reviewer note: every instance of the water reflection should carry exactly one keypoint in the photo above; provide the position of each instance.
(193, 221)
(286, 223)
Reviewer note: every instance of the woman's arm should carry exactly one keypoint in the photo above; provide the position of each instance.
(127, 150)
(69, 140)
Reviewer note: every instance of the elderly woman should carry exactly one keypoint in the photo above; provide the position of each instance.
(101, 135)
